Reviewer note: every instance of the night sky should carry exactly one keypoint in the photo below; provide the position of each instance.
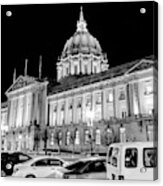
(123, 32)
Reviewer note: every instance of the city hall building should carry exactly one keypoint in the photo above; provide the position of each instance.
(90, 106)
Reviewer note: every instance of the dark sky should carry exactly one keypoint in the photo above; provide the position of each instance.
(123, 32)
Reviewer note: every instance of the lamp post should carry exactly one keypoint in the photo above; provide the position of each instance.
(45, 138)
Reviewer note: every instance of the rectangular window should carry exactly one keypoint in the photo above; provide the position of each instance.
(113, 156)
(122, 95)
(95, 69)
(76, 69)
(88, 101)
(98, 98)
(131, 157)
(148, 88)
(85, 69)
(67, 71)
(150, 157)
(109, 97)
(54, 117)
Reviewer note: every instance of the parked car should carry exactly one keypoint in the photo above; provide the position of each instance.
(8, 160)
(38, 167)
(88, 168)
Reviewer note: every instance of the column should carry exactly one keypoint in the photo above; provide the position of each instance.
(17, 113)
(102, 104)
(131, 99)
(136, 96)
(58, 113)
(83, 107)
(114, 102)
(74, 110)
(24, 110)
(30, 107)
(8, 112)
(34, 107)
(66, 110)
(50, 114)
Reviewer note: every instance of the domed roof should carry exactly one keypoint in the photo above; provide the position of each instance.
(82, 41)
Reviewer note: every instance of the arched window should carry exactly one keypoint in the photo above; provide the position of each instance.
(77, 137)
(95, 69)
(52, 139)
(68, 134)
(75, 69)
(98, 137)
(109, 136)
(85, 69)
(60, 138)
(86, 137)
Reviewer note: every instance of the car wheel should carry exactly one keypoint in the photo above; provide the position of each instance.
(3, 174)
(30, 176)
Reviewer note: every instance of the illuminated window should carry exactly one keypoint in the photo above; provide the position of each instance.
(98, 98)
(148, 88)
(95, 69)
(122, 95)
(88, 101)
(79, 103)
(77, 137)
(79, 110)
(70, 109)
(76, 69)
(54, 118)
(60, 138)
(85, 69)
(68, 135)
(87, 136)
(67, 71)
(52, 139)
(98, 137)
(110, 97)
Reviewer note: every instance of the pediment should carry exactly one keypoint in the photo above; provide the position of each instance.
(21, 82)
(141, 65)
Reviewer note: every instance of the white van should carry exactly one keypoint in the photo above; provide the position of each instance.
(132, 161)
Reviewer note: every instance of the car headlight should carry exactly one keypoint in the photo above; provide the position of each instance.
(8, 166)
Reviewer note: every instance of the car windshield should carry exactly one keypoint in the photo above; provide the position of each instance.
(76, 165)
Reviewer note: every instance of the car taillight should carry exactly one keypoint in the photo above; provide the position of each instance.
(121, 177)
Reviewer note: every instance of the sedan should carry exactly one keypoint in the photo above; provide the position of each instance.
(38, 167)
(89, 168)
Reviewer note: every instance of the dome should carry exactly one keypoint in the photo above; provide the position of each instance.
(82, 41)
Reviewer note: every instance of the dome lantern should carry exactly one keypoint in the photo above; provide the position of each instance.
(81, 24)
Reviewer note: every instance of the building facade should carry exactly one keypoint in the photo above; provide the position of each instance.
(88, 106)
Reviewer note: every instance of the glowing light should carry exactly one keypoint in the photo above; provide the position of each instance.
(90, 114)
(8, 13)
(142, 10)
